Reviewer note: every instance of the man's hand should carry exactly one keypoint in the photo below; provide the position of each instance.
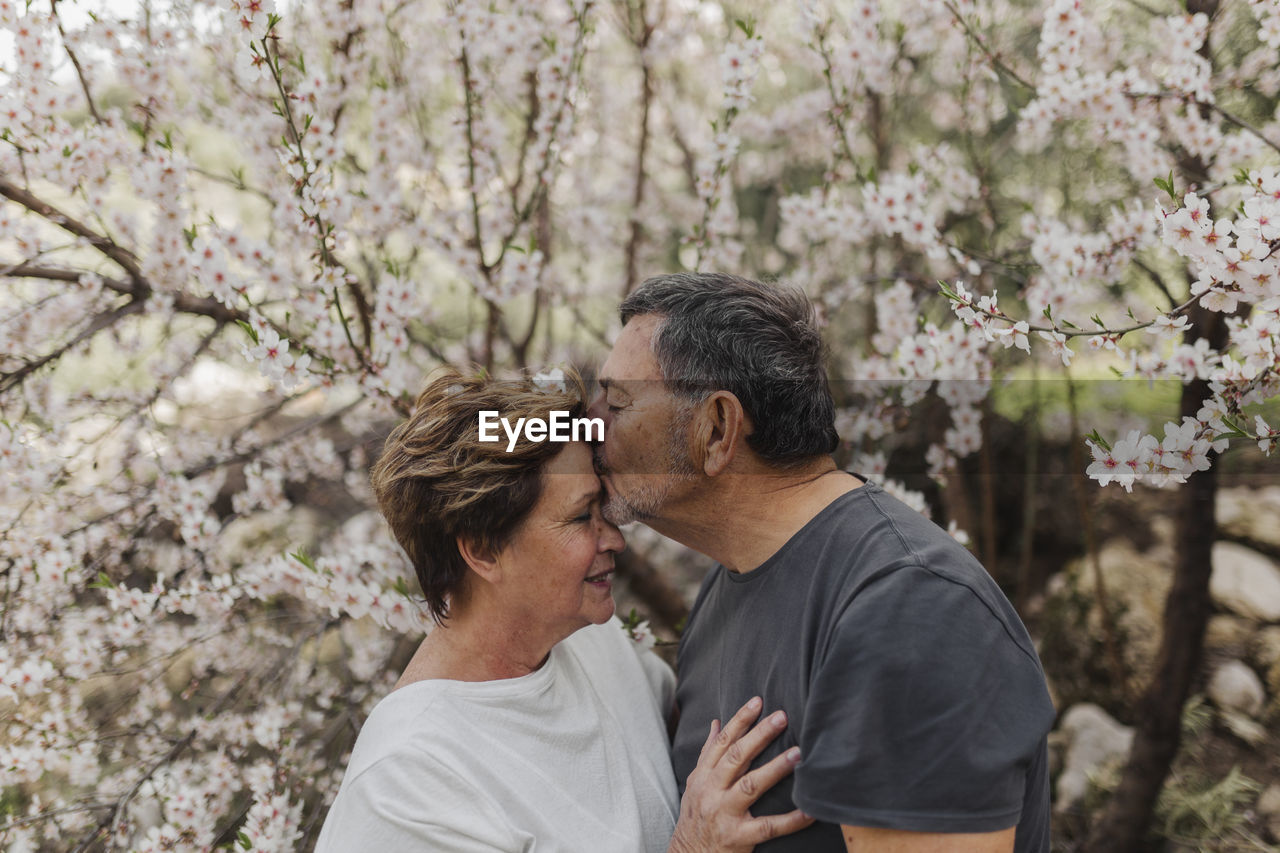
(714, 814)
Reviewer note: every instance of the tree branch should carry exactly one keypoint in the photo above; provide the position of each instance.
(641, 31)
(125, 259)
(204, 306)
(8, 381)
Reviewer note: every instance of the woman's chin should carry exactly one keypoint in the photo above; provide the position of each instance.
(605, 612)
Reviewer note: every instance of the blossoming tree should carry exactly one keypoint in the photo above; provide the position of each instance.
(234, 237)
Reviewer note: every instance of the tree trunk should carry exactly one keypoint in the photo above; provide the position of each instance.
(1127, 818)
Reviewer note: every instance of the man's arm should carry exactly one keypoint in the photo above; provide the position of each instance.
(864, 839)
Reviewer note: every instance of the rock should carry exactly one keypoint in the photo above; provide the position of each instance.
(1264, 654)
(1249, 731)
(1245, 582)
(1266, 647)
(1094, 740)
(1250, 513)
(1268, 804)
(1230, 634)
(1234, 686)
(1136, 585)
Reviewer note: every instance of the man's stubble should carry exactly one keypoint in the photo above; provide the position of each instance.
(645, 501)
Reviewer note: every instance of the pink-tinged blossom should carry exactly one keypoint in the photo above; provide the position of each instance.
(1265, 434)
(1127, 460)
(1058, 346)
(1169, 327)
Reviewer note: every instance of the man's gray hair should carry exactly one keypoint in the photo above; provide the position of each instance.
(758, 341)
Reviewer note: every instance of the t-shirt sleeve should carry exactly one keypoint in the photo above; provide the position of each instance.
(410, 802)
(924, 713)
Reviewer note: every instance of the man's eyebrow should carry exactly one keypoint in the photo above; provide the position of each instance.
(615, 385)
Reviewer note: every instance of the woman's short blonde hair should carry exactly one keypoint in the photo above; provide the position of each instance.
(436, 481)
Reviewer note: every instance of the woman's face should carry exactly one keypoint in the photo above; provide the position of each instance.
(556, 571)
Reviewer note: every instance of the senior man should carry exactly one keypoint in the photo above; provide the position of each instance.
(909, 682)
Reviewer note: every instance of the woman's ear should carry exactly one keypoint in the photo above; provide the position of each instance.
(719, 425)
(480, 558)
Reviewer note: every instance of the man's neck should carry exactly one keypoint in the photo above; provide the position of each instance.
(742, 519)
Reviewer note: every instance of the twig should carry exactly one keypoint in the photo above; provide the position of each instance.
(996, 61)
(641, 32)
(36, 818)
(209, 465)
(1157, 279)
(123, 802)
(84, 83)
(326, 257)
(1069, 332)
(838, 107)
(1245, 126)
(105, 320)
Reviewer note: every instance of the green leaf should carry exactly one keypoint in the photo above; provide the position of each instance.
(244, 840)
(1099, 440)
(1067, 324)
(1048, 313)
(303, 557)
(249, 330)
(747, 25)
(1234, 429)
(103, 582)
(1166, 184)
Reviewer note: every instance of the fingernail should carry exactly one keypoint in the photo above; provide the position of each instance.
(779, 718)
(755, 703)
(793, 754)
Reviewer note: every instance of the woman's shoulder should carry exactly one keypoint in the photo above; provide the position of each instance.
(406, 721)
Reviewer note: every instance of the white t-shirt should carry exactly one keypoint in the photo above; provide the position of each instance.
(572, 757)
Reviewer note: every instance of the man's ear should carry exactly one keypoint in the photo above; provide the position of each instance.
(480, 558)
(719, 425)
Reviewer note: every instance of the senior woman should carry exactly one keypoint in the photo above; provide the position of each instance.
(527, 720)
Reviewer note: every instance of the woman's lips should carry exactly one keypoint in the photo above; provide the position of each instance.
(601, 579)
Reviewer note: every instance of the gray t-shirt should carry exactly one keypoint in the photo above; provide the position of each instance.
(910, 683)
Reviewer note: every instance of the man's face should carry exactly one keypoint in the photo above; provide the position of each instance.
(645, 454)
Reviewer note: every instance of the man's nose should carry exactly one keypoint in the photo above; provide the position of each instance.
(598, 409)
